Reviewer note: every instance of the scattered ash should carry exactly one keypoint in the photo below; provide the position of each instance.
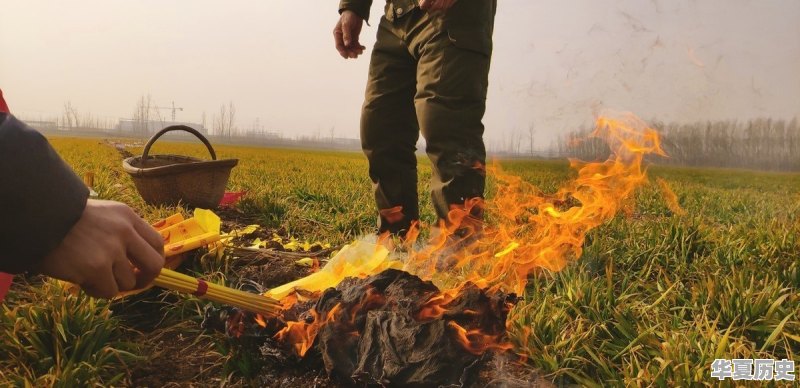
(278, 365)
(506, 370)
(244, 325)
(380, 339)
(301, 378)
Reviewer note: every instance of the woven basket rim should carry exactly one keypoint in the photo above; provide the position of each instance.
(182, 164)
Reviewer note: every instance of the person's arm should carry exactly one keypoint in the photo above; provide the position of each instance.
(40, 197)
(359, 7)
(348, 28)
(47, 224)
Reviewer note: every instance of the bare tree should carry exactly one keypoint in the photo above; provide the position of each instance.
(224, 123)
(141, 115)
(531, 134)
(221, 121)
(231, 119)
(70, 117)
(509, 143)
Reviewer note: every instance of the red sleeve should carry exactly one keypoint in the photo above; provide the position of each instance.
(3, 105)
(5, 284)
(5, 279)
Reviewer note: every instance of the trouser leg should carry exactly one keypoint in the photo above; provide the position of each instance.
(389, 131)
(452, 79)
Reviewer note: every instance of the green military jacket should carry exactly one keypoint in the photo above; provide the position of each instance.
(394, 8)
(469, 24)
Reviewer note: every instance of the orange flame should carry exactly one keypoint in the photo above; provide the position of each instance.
(532, 231)
(528, 232)
(301, 334)
(476, 342)
(670, 197)
(436, 306)
(371, 300)
(260, 320)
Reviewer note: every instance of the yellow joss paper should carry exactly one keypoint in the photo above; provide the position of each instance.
(207, 220)
(257, 244)
(249, 229)
(360, 259)
(169, 221)
(203, 223)
(181, 231)
(191, 243)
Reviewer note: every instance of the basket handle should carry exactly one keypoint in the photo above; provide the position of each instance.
(178, 128)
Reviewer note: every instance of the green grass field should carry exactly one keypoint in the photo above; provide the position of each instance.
(653, 300)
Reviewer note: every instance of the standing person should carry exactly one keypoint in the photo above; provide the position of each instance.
(428, 73)
(48, 224)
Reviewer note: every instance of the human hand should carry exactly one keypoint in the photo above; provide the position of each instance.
(436, 5)
(346, 33)
(110, 249)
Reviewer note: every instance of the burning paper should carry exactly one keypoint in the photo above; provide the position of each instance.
(359, 259)
(430, 323)
(376, 336)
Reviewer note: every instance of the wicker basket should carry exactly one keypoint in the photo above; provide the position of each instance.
(173, 179)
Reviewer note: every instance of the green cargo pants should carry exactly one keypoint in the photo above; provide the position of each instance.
(428, 74)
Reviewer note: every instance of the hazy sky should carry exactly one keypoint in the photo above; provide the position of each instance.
(555, 62)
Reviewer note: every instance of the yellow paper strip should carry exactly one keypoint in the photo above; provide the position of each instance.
(359, 259)
(191, 243)
(182, 231)
(207, 220)
(252, 302)
(167, 222)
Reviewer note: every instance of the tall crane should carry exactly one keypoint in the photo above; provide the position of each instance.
(173, 108)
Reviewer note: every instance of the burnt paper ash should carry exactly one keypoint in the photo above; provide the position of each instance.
(379, 337)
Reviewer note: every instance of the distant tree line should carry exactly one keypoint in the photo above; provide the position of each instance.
(71, 118)
(764, 144)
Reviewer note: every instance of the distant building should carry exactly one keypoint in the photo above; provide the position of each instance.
(43, 125)
(130, 126)
(346, 142)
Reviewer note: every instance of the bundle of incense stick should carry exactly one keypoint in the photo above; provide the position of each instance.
(255, 303)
